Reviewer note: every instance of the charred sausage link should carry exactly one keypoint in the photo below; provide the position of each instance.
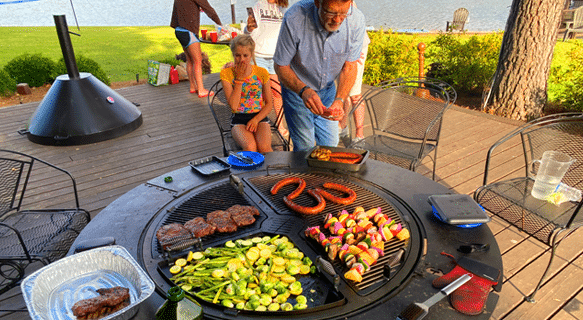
(307, 210)
(345, 155)
(338, 187)
(347, 160)
(284, 182)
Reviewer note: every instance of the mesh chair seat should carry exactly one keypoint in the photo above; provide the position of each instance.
(511, 201)
(46, 234)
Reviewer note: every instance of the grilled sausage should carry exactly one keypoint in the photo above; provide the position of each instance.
(347, 160)
(284, 182)
(307, 210)
(345, 155)
(338, 187)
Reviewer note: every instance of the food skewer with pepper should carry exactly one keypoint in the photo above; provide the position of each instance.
(357, 239)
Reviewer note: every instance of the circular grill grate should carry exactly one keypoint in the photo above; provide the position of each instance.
(367, 199)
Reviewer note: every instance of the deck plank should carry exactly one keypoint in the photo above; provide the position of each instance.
(178, 127)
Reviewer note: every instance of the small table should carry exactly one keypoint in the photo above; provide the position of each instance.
(218, 42)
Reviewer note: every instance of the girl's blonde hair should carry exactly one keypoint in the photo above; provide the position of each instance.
(244, 40)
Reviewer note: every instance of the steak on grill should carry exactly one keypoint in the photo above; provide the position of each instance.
(242, 215)
(108, 302)
(168, 234)
(199, 227)
(239, 208)
(222, 221)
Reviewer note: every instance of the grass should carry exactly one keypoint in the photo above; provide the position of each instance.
(122, 52)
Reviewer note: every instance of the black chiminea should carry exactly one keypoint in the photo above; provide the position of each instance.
(79, 108)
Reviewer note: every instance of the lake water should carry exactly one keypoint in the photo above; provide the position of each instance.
(485, 15)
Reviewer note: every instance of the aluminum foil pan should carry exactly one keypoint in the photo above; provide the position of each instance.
(50, 292)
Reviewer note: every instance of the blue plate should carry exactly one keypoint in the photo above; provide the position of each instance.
(257, 157)
(466, 226)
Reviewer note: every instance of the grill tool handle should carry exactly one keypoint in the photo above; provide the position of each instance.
(243, 158)
(447, 290)
(325, 266)
(237, 183)
(394, 260)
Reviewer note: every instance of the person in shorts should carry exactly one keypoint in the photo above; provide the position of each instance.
(248, 92)
(186, 22)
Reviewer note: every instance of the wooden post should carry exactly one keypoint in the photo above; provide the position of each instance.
(233, 20)
(421, 47)
(422, 93)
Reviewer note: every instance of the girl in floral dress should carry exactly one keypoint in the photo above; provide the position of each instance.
(248, 93)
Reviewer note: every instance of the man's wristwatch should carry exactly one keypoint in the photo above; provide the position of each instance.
(302, 91)
(341, 100)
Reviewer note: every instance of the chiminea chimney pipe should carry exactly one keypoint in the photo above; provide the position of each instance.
(66, 46)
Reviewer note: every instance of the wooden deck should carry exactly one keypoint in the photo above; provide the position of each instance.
(178, 127)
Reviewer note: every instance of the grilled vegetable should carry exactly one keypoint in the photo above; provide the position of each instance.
(257, 274)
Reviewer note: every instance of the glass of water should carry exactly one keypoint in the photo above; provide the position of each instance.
(553, 166)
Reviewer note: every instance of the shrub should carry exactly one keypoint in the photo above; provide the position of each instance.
(565, 84)
(170, 61)
(35, 69)
(7, 84)
(390, 56)
(85, 64)
(466, 65)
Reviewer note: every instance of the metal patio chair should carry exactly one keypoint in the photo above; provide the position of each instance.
(405, 116)
(35, 235)
(460, 17)
(222, 114)
(511, 199)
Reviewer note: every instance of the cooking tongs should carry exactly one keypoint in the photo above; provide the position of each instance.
(241, 157)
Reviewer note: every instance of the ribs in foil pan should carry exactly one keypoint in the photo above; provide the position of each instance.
(50, 292)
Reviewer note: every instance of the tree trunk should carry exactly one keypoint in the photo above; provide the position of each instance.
(519, 87)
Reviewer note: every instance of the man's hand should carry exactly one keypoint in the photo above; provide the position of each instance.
(313, 102)
(335, 112)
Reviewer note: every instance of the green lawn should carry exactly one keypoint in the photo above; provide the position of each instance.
(122, 52)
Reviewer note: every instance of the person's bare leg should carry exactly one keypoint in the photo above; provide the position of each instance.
(244, 138)
(344, 121)
(190, 69)
(196, 56)
(358, 116)
(263, 137)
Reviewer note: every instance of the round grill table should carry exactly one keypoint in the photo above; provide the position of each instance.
(127, 217)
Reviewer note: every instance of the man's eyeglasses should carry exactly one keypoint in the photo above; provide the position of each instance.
(331, 15)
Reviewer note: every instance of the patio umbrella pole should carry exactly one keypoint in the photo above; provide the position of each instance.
(66, 46)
